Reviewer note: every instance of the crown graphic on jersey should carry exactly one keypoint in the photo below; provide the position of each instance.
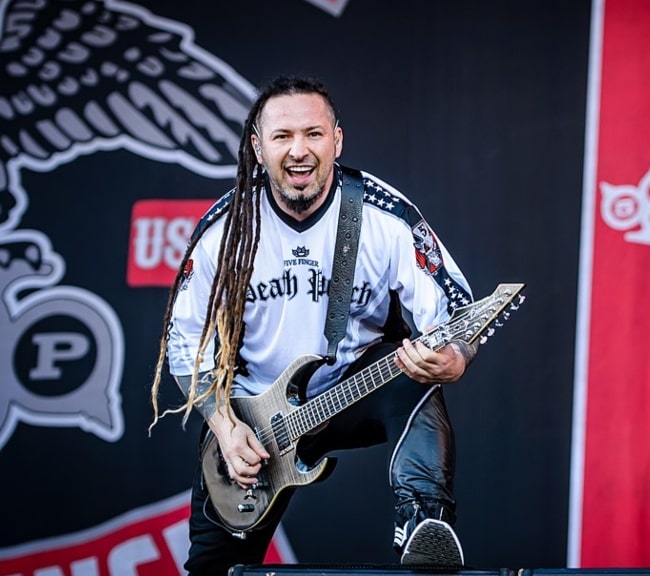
(300, 252)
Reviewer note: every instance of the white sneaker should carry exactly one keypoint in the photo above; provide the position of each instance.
(433, 542)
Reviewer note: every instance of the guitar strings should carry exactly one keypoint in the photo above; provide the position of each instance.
(309, 415)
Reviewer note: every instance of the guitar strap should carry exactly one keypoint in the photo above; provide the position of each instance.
(345, 257)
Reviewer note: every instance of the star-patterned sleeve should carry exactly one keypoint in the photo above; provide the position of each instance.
(429, 282)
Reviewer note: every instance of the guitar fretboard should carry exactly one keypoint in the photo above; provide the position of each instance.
(320, 409)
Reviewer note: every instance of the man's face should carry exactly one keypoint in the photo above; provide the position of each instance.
(299, 143)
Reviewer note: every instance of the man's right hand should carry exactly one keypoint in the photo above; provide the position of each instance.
(240, 448)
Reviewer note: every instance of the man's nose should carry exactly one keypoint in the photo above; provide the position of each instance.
(299, 147)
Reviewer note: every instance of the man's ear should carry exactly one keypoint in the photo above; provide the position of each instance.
(338, 141)
(255, 141)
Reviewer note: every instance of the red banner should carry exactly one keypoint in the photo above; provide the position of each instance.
(160, 230)
(610, 520)
(148, 541)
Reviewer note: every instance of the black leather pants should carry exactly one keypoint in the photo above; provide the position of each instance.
(422, 468)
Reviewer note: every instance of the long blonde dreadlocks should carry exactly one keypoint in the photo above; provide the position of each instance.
(225, 308)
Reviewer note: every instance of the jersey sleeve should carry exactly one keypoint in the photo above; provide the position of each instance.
(189, 313)
(428, 280)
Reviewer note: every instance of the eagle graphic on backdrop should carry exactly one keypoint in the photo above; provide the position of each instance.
(78, 76)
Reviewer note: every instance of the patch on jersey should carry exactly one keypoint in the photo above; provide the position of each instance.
(188, 272)
(427, 251)
(300, 252)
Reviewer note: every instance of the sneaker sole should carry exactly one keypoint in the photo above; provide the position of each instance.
(433, 542)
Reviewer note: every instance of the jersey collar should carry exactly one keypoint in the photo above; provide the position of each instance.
(302, 225)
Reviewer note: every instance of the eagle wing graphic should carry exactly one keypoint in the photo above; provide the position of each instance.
(77, 76)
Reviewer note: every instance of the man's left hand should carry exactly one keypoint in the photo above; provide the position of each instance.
(426, 366)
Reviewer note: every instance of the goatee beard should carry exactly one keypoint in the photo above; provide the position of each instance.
(302, 204)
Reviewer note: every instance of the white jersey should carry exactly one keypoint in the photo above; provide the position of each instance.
(287, 298)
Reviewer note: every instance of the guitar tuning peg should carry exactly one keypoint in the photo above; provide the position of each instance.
(498, 324)
(506, 315)
(482, 339)
(490, 331)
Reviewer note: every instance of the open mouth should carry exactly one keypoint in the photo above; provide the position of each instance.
(299, 175)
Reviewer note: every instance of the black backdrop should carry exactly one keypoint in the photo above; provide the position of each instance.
(476, 110)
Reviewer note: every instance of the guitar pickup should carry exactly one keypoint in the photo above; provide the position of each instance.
(280, 432)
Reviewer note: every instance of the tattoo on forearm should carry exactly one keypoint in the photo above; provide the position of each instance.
(467, 350)
(208, 406)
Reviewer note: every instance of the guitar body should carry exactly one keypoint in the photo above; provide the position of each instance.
(240, 509)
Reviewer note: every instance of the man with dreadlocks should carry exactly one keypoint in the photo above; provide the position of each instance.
(251, 296)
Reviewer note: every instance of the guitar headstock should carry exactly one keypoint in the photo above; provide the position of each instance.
(478, 319)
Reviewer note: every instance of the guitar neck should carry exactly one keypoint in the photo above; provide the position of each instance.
(328, 404)
(467, 323)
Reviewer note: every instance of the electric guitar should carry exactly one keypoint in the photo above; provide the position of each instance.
(280, 416)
